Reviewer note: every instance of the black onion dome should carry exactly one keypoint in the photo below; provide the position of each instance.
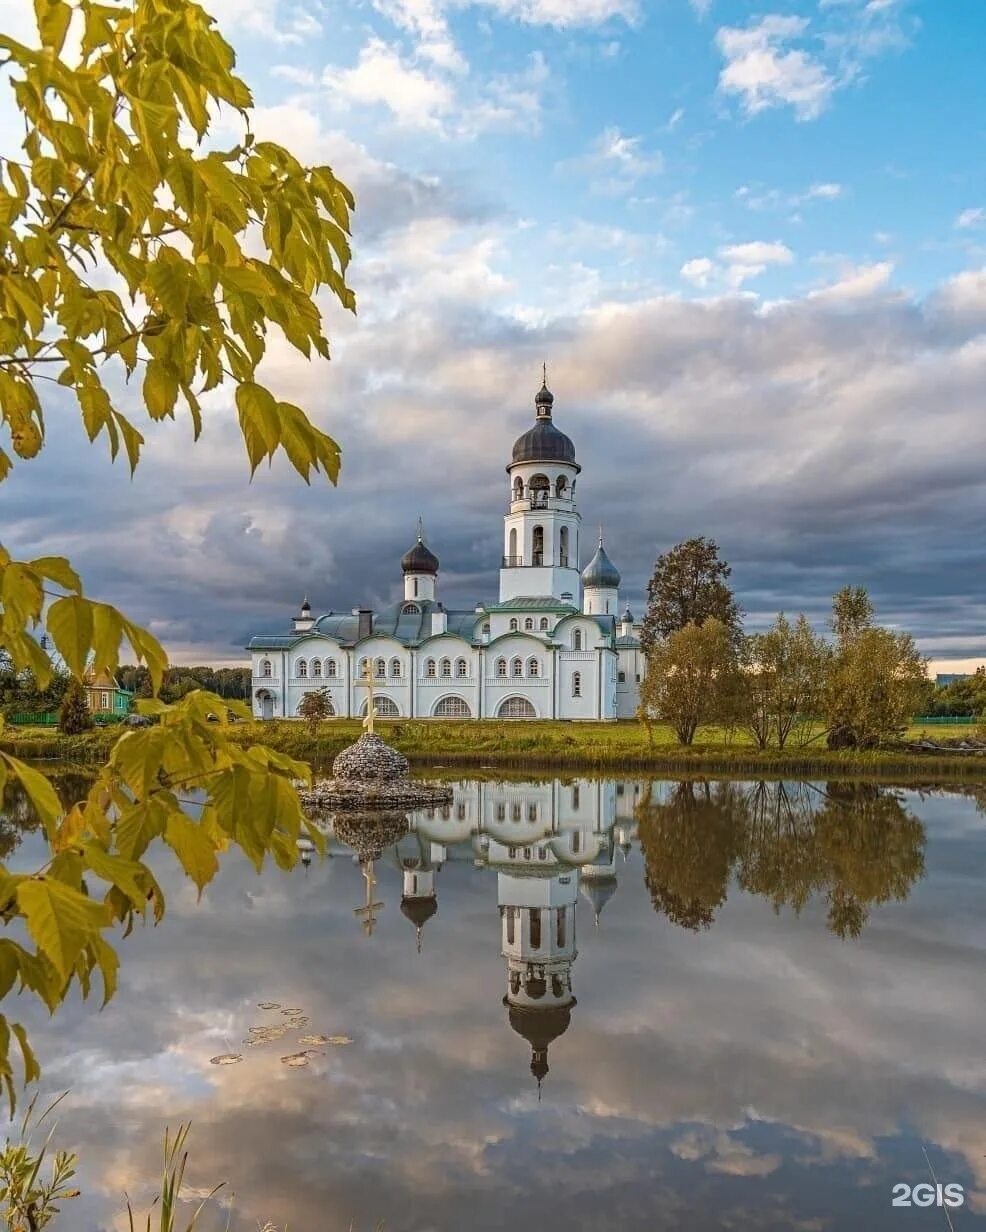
(544, 442)
(420, 559)
(600, 572)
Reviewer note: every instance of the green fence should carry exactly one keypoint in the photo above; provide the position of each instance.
(35, 720)
(945, 718)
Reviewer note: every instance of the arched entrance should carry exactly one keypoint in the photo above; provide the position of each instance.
(266, 700)
(516, 708)
(385, 707)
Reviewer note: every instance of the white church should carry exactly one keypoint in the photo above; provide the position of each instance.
(554, 646)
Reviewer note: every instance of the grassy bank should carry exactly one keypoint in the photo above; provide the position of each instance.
(551, 746)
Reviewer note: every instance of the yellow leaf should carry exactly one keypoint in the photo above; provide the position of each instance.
(193, 848)
(60, 920)
(39, 791)
(70, 624)
(59, 571)
(160, 389)
(53, 22)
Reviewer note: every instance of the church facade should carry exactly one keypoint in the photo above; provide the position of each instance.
(553, 646)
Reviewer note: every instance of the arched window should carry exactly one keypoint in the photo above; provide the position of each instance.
(540, 489)
(411, 609)
(518, 488)
(532, 667)
(514, 626)
(511, 917)
(330, 667)
(561, 484)
(446, 667)
(544, 624)
(486, 629)
(317, 668)
(563, 547)
(517, 668)
(501, 667)
(529, 624)
(537, 557)
(461, 667)
(361, 668)
(395, 667)
(560, 928)
(301, 669)
(532, 812)
(536, 928)
(515, 812)
(386, 707)
(576, 796)
(430, 667)
(512, 558)
(452, 708)
(577, 684)
(415, 588)
(266, 669)
(380, 668)
(577, 640)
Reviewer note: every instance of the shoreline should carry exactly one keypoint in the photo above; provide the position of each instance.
(550, 748)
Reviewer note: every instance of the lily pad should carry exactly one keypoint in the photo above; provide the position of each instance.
(226, 1058)
(268, 1005)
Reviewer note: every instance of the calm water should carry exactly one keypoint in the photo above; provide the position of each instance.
(661, 1006)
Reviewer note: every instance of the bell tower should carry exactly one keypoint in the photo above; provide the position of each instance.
(542, 525)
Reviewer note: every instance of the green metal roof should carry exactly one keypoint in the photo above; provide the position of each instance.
(532, 603)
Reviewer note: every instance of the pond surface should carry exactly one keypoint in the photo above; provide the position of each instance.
(572, 1005)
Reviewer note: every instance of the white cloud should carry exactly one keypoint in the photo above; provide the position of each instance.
(416, 99)
(566, 14)
(756, 197)
(764, 70)
(617, 161)
(824, 192)
(296, 75)
(757, 252)
(859, 282)
(971, 218)
(701, 7)
(698, 271)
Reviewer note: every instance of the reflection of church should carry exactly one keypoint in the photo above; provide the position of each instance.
(545, 843)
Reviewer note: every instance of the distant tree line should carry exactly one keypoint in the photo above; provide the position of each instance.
(787, 685)
(228, 682)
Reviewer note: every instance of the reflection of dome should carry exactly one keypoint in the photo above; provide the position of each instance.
(419, 910)
(540, 1027)
(369, 833)
(419, 559)
(599, 890)
(600, 572)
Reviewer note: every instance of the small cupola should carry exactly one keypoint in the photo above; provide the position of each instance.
(304, 621)
(419, 564)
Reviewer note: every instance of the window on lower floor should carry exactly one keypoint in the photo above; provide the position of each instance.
(577, 684)
(621, 677)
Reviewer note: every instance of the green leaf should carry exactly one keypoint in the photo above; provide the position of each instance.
(69, 622)
(193, 848)
(60, 920)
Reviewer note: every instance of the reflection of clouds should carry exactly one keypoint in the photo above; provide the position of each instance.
(761, 1075)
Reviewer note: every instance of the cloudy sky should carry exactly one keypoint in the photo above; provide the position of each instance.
(749, 241)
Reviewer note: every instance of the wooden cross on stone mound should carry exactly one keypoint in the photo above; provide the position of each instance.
(366, 680)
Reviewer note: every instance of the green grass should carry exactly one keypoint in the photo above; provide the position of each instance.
(549, 746)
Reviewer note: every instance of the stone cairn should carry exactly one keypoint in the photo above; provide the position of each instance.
(371, 775)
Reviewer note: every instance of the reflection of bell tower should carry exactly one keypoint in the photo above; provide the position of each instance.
(538, 943)
(419, 901)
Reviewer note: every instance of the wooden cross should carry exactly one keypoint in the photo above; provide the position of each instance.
(366, 681)
(369, 907)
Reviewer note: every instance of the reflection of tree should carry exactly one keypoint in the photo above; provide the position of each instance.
(853, 844)
(689, 845)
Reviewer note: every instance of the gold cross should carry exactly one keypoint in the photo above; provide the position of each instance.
(371, 711)
(366, 911)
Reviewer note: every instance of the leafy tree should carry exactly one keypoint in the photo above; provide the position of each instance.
(690, 585)
(75, 715)
(875, 678)
(315, 707)
(213, 248)
(691, 679)
(784, 672)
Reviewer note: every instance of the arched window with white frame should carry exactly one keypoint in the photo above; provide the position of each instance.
(446, 668)
(430, 668)
(330, 667)
(514, 626)
(317, 668)
(380, 668)
(395, 667)
(577, 640)
(501, 667)
(529, 624)
(452, 708)
(533, 667)
(563, 547)
(517, 667)
(301, 669)
(544, 624)
(266, 669)
(362, 668)
(576, 684)
(461, 667)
